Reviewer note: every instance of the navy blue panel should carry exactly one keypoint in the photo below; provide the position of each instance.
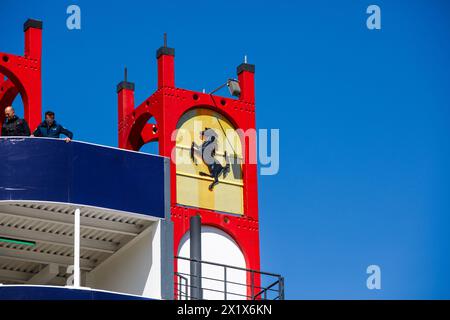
(80, 173)
(34, 170)
(59, 293)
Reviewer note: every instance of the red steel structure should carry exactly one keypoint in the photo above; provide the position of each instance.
(23, 75)
(167, 105)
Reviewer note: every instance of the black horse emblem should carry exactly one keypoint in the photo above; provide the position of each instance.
(207, 152)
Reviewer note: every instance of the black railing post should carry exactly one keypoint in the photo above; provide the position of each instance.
(225, 282)
(253, 284)
(195, 232)
(281, 288)
(180, 285)
(179, 289)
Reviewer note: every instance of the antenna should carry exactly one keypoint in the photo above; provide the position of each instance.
(165, 40)
(245, 58)
(125, 76)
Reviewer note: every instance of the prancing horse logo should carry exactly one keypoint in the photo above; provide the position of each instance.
(207, 152)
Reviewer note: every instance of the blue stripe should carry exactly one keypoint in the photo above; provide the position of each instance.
(59, 293)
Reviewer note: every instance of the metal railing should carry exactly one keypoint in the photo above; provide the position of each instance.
(225, 282)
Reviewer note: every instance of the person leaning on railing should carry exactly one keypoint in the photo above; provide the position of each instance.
(51, 129)
(13, 125)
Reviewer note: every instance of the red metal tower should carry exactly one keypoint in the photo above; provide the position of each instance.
(24, 75)
(167, 105)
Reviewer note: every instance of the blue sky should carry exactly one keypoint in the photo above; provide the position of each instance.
(363, 118)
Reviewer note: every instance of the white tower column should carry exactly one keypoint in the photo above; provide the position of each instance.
(76, 248)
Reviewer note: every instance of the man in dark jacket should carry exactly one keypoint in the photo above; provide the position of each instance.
(14, 126)
(50, 129)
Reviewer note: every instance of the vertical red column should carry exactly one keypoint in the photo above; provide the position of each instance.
(33, 52)
(246, 77)
(166, 83)
(125, 96)
(33, 38)
(166, 67)
(167, 121)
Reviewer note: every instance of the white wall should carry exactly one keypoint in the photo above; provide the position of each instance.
(219, 247)
(135, 268)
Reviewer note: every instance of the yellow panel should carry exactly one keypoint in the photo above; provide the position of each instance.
(192, 188)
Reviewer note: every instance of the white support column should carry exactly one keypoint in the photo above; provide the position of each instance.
(76, 248)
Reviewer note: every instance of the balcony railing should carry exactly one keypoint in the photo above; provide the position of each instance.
(225, 282)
